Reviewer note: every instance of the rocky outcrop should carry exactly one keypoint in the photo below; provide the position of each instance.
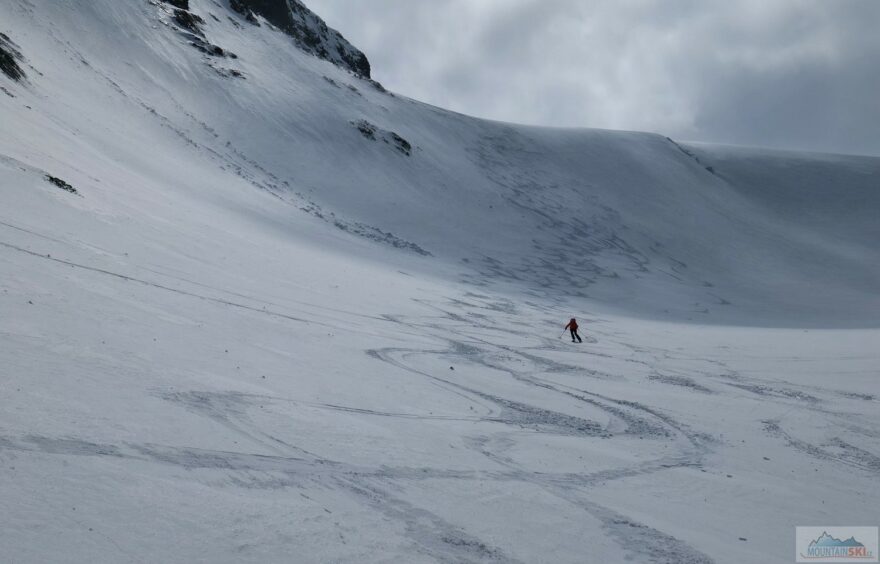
(307, 29)
(374, 133)
(9, 58)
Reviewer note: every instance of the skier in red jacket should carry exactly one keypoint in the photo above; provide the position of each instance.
(573, 326)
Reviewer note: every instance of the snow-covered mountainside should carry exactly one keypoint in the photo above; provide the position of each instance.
(618, 217)
(259, 309)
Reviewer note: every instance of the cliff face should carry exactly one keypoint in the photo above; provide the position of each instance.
(307, 29)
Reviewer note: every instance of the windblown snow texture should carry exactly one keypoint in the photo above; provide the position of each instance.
(255, 309)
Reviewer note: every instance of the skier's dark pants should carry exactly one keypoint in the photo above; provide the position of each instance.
(574, 335)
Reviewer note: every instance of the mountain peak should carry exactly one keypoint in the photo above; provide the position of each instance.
(309, 31)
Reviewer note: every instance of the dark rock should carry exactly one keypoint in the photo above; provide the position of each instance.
(308, 30)
(212, 50)
(189, 21)
(367, 129)
(373, 133)
(401, 144)
(181, 4)
(229, 73)
(61, 184)
(9, 58)
(242, 8)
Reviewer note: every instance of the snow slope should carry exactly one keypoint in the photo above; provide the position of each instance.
(289, 316)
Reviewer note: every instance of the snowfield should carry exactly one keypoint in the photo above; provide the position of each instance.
(283, 315)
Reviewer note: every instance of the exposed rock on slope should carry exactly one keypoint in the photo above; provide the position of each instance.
(9, 57)
(373, 133)
(308, 30)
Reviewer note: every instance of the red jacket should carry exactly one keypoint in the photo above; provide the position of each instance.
(572, 325)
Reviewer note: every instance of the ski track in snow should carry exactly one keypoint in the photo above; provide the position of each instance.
(432, 534)
(454, 325)
(231, 411)
(466, 328)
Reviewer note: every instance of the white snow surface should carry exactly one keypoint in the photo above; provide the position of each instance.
(256, 334)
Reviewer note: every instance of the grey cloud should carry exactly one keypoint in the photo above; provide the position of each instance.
(801, 74)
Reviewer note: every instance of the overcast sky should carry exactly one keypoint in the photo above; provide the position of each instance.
(800, 74)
